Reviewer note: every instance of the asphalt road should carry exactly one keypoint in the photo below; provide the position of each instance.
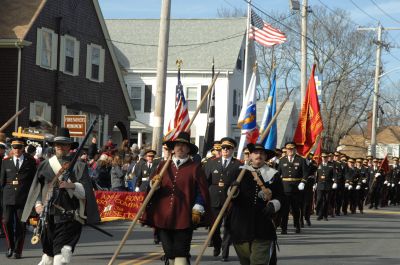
(371, 238)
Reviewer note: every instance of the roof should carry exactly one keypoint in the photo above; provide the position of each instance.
(17, 16)
(136, 42)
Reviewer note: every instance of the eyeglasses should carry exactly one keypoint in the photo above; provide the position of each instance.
(17, 146)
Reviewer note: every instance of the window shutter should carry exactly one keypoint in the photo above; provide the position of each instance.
(147, 98)
(38, 46)
(76, 57)
(205, 105)
(101, 66)
(88, 61)
(54, 47)
(62, 54)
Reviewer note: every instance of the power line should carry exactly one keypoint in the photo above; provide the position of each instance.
(359, 8)
(384, 12)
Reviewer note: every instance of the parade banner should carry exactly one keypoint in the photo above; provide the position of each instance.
(118, 205)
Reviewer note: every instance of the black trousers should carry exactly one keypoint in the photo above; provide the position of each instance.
(306, 204)
(323, 203)
(339, 199)
(293, 201)
(56, 236)
(217, 241)
(176, 243)
(375, 196)
(13, 227)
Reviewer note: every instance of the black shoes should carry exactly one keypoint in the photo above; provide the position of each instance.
(325, 218)
(17, 255)
(297, 230)
(9, 253)
(217, 251)
(319, 218)
(224, 259)
(283, 232)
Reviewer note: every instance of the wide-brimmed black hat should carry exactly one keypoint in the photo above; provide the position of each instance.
(183, 137)
(253, 147)
(63, 137)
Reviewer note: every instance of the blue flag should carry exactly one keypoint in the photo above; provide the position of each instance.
(270, 110)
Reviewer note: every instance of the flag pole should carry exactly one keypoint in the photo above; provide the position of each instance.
(234, 188)
(10, 120)
(246, 51)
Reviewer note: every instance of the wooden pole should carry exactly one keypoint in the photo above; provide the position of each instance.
(234, 188)
(10, 120)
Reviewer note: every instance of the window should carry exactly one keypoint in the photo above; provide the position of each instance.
(69, 55)
(135, 93)
(46, 48)
(191, 98)
(39, 111)
(147, 98)
(235, 105)
(205, 105)
(95, 63)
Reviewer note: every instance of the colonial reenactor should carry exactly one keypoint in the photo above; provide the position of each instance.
(144, 170)
(259, 196)
(71, 202)
(220, 173)
(294, 172)
(16, 177)
(325, 181)
(180, 202)
(376, 181)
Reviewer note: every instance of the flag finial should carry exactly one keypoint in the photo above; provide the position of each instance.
(255, 67)
(179, 63)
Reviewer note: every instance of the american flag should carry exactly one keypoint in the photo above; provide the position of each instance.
(263, 33)
(181, 119)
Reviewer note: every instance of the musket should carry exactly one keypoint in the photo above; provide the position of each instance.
(10, 120)
(234, 188)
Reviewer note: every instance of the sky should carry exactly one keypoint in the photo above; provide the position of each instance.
(363, 12)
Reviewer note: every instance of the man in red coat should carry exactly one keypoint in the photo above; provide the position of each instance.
(180, 202)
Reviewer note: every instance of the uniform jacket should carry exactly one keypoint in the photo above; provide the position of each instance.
(376, 182)
(39, 188)
(143, 173)
(219, 179)
(245, 219)
(293, 173)
(325, 176)
(394, 174)
(171, 205)
(16, 194)
(353, 176)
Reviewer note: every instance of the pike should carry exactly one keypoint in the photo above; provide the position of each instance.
(238, 180)
(10, 120)
(157, 182)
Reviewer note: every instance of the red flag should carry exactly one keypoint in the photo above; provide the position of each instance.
(310, 123)
(385, 165)
(317, 153)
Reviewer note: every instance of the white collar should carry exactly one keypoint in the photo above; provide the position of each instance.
(267, 173)
(21, 158)
(182, 161)
(227, 159)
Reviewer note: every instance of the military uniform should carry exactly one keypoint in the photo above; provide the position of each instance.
(293, 173)
(325, 180)
(15, 183)
(395, 186)
(143, 172)
(376, 181)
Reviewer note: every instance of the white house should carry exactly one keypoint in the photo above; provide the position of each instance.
(196, 42)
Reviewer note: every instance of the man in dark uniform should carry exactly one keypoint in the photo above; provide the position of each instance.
(258, 197)
(325, 181)
(144, 170)
(362, 175)
(394, 173)
(69, 202)
(16, 177)
(376, 181)
(308, 193)
(3, 148)
(294, 172)
(220, 173)
(340, 165)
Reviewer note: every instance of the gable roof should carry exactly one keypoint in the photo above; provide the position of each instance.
(136, 42)
(17, 16)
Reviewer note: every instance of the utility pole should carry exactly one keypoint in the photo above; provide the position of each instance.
(303, 84)
(162, 61)
(379, 44)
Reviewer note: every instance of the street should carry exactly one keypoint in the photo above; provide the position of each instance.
(371, 238)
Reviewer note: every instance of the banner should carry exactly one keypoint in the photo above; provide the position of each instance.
(118, 205)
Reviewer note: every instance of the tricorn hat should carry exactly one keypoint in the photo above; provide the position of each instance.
(63, 137)
(183, 137)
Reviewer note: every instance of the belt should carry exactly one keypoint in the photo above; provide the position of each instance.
(12, 182)
(291, 179)
(145, 179)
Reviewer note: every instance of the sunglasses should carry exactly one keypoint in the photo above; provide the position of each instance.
(17, 146)
(226, 147)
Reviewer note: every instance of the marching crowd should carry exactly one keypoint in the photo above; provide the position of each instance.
(191, 193)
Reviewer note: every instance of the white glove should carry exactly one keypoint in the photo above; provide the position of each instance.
(385, 182)
(366, 188)
(350, 187)
(346, 185)
(399, 182)
(137, 189)
(392, 184)
(334, 186)
(377, 175)
(301, 186)
(388, 184)
(314, 187)
(358, 187)
(364, 181)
